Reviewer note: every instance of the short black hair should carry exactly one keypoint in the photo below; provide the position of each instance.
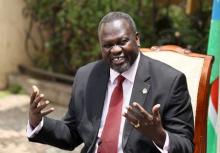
(112, 16)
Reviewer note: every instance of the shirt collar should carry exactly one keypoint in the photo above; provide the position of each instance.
(129, 74)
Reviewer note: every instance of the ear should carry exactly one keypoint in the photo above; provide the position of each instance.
(137, 37)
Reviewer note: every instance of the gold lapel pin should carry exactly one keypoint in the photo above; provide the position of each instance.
(144, 91)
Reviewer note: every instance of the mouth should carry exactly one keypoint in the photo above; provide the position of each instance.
(117, 60)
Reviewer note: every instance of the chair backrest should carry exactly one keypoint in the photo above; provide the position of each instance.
(197, 68)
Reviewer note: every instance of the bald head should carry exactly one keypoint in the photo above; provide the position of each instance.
(112, 16)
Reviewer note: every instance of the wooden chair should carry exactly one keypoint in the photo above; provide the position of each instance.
(197, 68)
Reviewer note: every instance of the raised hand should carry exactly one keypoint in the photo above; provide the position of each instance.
(148, 124)
(37, 105)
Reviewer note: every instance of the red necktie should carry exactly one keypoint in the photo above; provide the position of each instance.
(109, 138)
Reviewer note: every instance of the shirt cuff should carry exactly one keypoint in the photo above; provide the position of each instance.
(166, 144)
(30, 133)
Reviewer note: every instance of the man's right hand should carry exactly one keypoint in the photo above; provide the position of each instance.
(37, 105)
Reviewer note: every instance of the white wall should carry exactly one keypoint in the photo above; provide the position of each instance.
(12, 34)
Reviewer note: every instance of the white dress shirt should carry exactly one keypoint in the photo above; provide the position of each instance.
(127, 89)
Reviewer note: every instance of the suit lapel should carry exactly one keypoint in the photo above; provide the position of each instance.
(139, 92)
(95, 96)
(96, 92)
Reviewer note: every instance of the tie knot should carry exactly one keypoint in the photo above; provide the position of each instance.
(120, 79)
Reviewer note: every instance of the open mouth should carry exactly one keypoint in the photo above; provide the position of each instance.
(118, 60)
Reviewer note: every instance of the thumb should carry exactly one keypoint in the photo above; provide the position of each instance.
(156, 111)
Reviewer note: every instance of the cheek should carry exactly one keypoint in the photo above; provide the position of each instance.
(105, 55)
(133, 46)
(132, 52)
(132, 49)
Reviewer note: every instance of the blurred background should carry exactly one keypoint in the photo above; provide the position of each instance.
(44, 42)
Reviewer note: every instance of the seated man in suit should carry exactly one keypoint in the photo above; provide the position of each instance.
(124, 103)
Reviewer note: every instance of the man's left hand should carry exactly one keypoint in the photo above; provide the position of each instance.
(148, 124)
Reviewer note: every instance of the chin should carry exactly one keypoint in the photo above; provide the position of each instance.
(121, 68)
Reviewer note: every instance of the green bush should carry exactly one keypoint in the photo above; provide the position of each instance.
(15, 89)
(68, 29)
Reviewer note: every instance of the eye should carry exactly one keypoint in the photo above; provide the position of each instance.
(123, 41)
(107, 46)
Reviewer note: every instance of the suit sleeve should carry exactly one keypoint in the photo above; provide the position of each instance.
(178, 117)
(61, 133)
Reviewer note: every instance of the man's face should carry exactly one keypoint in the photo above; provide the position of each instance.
(119, 44)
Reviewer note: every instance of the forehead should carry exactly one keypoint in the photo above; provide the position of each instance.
(114, 28)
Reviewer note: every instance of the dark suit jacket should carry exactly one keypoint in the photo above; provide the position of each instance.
(165, 85)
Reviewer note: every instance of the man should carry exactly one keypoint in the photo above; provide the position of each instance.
(125, 103)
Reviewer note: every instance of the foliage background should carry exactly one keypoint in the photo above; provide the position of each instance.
(68, 28)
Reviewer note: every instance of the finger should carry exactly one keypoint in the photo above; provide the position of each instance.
(35, 89)
(48, 111)
(37, 100)
(143, 112)
(41, 106)
(156, 111)
(130, 118)
(135, 113)
(34, 93)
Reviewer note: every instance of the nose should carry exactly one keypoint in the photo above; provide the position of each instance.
(116, 49)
